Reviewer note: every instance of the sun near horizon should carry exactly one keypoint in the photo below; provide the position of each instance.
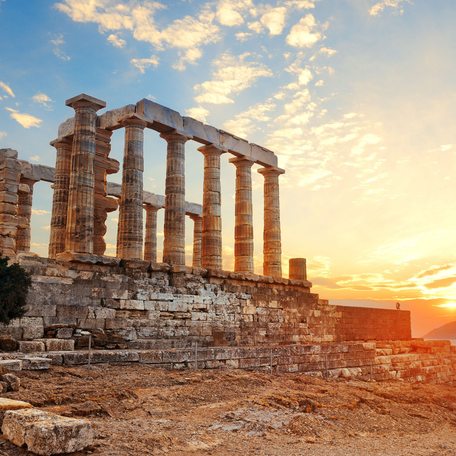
(356, 97)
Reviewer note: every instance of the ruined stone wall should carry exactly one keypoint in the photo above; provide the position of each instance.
(137, 306)
(365, 323)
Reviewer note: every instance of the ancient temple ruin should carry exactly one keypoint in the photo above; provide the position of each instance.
(146, 305)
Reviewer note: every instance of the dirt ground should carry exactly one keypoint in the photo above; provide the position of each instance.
(137, 410)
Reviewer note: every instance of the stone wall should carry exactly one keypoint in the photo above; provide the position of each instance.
(137, 305)
(365, 323)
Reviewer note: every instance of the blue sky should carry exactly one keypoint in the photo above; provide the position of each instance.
(356, 97)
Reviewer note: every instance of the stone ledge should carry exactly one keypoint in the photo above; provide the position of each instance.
(88, 258)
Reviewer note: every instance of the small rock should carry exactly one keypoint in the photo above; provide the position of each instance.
(8, 344)
(13, 382)
(3, 387)
(46, 433)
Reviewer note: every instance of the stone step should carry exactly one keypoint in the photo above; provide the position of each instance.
(7, 365)
(41, 345)
(46, 433)
(36, 363)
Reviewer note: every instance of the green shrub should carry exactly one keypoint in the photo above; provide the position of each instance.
(14, 286)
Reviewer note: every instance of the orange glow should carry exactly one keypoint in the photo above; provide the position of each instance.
(448, 305)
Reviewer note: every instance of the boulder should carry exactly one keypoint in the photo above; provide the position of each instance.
(11, 404)
(13, 382)
(46, 433)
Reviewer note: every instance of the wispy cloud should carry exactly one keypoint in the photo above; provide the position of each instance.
(57, 47)
(7, 89)
(3, 134)
(116, 40)
(42, 99)
(232, 75)
(40, 212)
(143, 64)
(198, 113)
(35, 158)
(23, 119)
(395, 5)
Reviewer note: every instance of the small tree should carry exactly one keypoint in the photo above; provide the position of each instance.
(14, 286)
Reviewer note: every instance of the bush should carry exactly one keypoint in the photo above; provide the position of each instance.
(14, 286)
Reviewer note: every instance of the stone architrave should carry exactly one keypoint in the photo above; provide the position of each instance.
(197, 235)
(272, 244)
(130, 231)
(24, 213)
(174, 226)
(10, 172)
(60, 198)
(150, 240)
(80, 222)
(211, 247)
(243, 227)
(103, 166)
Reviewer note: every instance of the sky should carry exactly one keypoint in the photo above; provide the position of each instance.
(356, 97)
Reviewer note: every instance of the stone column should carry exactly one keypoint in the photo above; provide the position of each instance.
(80, 223)
(272, 244)
(150, 241)
(243, 227)
(60, 197)
(174, 226)
(10, 172)
(103, 203)
(297, 269)
(211, 246)
(197, 233)
(24, 215)
(130, 236)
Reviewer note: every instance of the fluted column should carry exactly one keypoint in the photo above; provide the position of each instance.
(272, 244)
(60, 197)
(103, 204)
(150, 241)
(197, 233)
(24, 213)
(130, 231)
(243, 226)
(211, 256)
(174, 226)
(80, 223)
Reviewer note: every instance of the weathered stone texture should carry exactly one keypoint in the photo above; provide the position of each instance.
(150, 239)
(46, 433)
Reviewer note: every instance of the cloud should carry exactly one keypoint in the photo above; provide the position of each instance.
(232, 75)
(396, 5)
(328, 51)
(433, 271)
(441, 283)
(187, 34)
(3, 134)
(143, 64)
(231, 12)
(245, 123)
(116, 41)
(274, 20)
(198, 113)
(305, 33)
(35, 158)
(40, 212)
(7, 89)
(42, 99)
(26, 120)
(188, 56)
(58, 43)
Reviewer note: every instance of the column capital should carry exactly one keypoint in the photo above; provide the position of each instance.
(61, 142)
(85, 101)
(212, 149)
(241, 162)
(134, 120)
(150, 207)
(271, 171)
(175, 135)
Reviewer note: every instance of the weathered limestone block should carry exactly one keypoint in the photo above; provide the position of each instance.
(46, 433)
(36, 363)
(11, 404)
(150, 239)
(14, 365)
(197, 240)
(31, 346)
(58, 344)
(297, 269)
(33, 327)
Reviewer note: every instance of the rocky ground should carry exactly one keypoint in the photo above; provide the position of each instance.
(137, 410)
